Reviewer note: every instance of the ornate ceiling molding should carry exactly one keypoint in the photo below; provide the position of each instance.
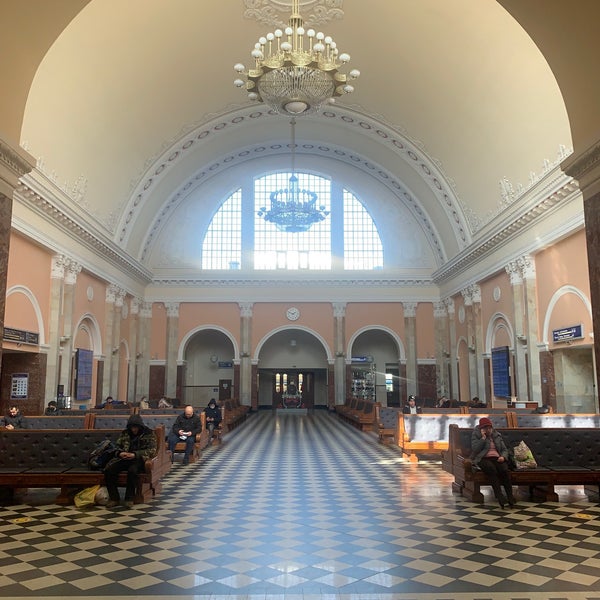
(397, 142)
(276, 13)
(554, 190)
(75, 226)
(14, 163)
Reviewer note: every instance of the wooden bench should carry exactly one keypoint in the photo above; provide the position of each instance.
(233, 413)
(362, 415)
(429, 433)
(386, 423)
(81, 421)
(57, 458)
(110, 421)
(565, 456)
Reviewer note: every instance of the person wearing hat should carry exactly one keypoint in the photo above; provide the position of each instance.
(490, 454)
(411, 408)
(136, 444)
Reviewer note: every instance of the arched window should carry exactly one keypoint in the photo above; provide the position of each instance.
(348, 231)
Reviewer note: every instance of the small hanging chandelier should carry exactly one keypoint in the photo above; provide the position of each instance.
(293, 210)
(295, 70)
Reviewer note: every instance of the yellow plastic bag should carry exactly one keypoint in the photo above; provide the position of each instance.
(86, 497)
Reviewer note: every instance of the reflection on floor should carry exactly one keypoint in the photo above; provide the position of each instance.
(301, 507)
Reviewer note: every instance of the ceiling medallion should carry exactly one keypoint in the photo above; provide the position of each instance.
(274, 13)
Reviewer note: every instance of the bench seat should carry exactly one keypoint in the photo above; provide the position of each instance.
(55, 458)
(565, 456)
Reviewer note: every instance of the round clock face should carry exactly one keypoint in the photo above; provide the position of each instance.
(292, 313)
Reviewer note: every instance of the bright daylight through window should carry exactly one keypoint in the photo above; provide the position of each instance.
(348, 232)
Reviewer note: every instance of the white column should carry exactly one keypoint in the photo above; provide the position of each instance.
(245, 391)
(172, 348)
(57, 275)
(440, 317)
(410, 332)
(72, 269)
(520, 339)
(451, 308)
(531, 322)
(339, 341)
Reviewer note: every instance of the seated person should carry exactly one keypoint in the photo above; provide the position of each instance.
(443, 402)
(144, 404)
(185, 428)
(136, 444)
(411, 408)
(164, 403)
(52, 409)
(14, 419)
(213, 416)
(477, 403)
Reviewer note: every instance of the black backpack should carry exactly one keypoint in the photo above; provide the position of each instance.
(102, 454)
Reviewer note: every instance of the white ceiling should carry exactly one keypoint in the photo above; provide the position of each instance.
(134, 116)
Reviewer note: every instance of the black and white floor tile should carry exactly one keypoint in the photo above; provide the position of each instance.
(294, 507)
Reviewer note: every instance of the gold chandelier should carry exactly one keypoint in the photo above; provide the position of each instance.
(296, 70)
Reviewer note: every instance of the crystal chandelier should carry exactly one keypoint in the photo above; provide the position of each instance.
(296, 70)
(293, 210)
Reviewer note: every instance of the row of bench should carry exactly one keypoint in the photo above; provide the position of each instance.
(564, 455)
(428, 433)
(53, 451)
(57, 458)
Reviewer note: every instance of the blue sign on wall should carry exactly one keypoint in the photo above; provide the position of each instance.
(575, 332)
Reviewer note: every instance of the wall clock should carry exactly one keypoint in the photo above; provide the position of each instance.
(292, 313)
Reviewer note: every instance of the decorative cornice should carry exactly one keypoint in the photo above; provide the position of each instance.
(200, 282)
(555, 190)
(580, 166)
(72, 224)
(14, 163)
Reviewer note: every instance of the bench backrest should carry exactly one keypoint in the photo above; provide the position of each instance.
(388, 417)
(435, 427)
(551, 447)
(557, 420)
(58, 422)
(54, 449)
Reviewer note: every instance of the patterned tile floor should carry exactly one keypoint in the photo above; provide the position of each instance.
(293, 507)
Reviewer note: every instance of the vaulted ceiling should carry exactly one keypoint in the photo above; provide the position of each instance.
(133, 117)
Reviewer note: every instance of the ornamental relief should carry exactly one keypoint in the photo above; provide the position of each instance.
(276, 13)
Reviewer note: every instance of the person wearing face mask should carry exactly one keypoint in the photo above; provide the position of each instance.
(213, 417)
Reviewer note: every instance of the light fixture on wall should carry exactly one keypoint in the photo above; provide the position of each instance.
(296, 70)
(214, 358)
(293, 210)
(293, 343)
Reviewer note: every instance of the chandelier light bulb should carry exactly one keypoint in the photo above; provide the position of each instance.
(300, 30)
(320, 35)
(239, 83)
(256, 53)
(345, 58)
(239, 68)
(289, 31)
(318, 47)
(310, 33)
(270, 36)
(354, 74)
(278, 33)
(262, 41)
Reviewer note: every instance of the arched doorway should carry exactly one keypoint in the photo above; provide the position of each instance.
(293, 371)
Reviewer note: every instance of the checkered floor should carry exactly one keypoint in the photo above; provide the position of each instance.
(300, 507)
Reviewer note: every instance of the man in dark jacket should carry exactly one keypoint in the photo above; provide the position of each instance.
(411, 408)
(185, 428)
(14, 419)
(136, 444)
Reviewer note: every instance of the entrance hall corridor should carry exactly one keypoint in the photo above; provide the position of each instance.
(301, 507)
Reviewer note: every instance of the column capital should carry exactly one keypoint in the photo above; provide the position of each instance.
(57, 269)
(527, 265)
(115, 294)
(439, 310)
(339, 309)
(471, 294)
(172, 309)
(410, 309)
(134, 306)
(72, 269)
(514, 271)
(450, 306)
(146, 310)
(246, 308)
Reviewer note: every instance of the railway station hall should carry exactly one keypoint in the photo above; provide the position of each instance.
(368, 230)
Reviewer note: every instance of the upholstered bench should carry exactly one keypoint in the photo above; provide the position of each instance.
(57, 458)
(429, 433)
(565, 456)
